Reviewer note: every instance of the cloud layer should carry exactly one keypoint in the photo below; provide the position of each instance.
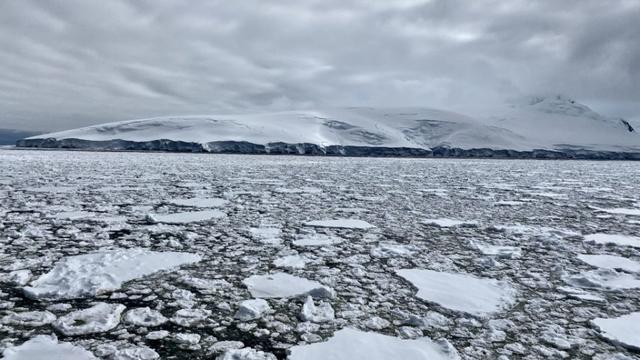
(69, 63)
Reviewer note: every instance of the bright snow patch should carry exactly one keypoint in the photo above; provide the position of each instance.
(282, 285)
(43, 347)
(610, 262)
(352, 344)
(317, 240)
(624, 330)
(613, 239)
(444, 222)
(187, 217)
(199, 202)
(99, 318)
(461, 292)
(341, 224)
(102, 271)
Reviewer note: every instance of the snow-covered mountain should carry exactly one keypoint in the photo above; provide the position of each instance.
(541, 123)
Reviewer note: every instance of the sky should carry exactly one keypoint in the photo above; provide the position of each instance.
(72, 63)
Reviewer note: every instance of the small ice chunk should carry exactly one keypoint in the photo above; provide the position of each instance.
(291, 261)
(157, 335)
(186, 338)
(341, 224)
(91, 274)
(321, 313)
(613, 239)
(461, 292)
(445, 222)
(186, 217)
(144, 317)
(266, 235)
(352, 344)
(190, 317)
(99, 318)
(252, 309)
(29, 318)
(624, 330)
(282, 285)
(388, 249)
(44, 347)
(610, 262)
(581, 294)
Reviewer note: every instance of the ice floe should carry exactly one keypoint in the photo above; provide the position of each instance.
(602, 279)
(624, 330)
(29, 318)
(621, 211)
(613, 239)
(317, 240)
(388, 249)
(445, 222)
(498, 250)
(461, 292)
(99, 318)
(352, 344)
(610, 262)
(44, 347)
(246, 354)
(341, 224)
(321, 313)
(291, 261)
(186, 217)
(144, 317)
(266, 234)
(283, 285)
(199, 202)
(102, 271)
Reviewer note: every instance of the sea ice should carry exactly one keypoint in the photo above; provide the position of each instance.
(317, 240)
(352, 344)
(341, 224)
(29, 318)
(144, 317)
(44, 347)
(266, 235)
(102, 271)
(388, 249)
(602, 279)
(99, 318)
(621, 211)
(321, 313)
(246, 354)
(186, 217)
(461, 292)
(252, 309)
(498, 250)
(610, 262)
(613, 239)
(291, 261)
(282, 285)
(624, 330)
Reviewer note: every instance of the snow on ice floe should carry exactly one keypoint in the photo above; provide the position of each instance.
(445, 222)
(389, 249)
(29, 318)
(44, 347)
(101, 317)
(283, 285)
(341, 224)
(144, 317)
(624, 330)
(353, 344)
(269, 235)
(610, 262)
(102, 271)
(199, 202)
(74, 215)
(613, 239)
(252, 309)
(317, 240)
(461, 292)
(581, 294)
(186, 217)
(602, 279)
(320, 313)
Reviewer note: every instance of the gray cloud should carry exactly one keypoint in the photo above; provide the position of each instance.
(69, 63)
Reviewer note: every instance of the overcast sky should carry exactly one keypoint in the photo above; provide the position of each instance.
(70, 63)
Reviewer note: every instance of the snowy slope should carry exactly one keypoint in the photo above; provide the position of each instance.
(536, 123)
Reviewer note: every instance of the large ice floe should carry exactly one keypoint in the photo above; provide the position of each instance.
(99, 318)
(186, 217)
(461, 292)
(446, 222)
(44, 347)
(199, 202)
(102, 271)
(610, 262)
(283, 285)
(624, 330)
(353, 344)
(613, 239)
(341, 224)
(605, 279)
